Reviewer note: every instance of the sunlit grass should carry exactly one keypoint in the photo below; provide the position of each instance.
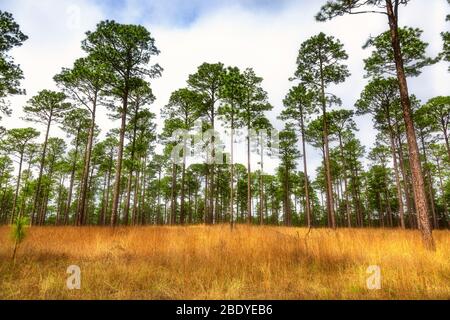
(201, 262)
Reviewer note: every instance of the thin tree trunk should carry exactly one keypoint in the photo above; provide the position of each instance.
(347, 201)
(401, 207)
(130, 174)
(329, 184)
(16, 193)
(87, 162)
(249, 179)
(441, 183)
(409, 208)
(287, 198)
(101, 217)
(205, 205)
(116, 194)
(44, 206)
(183, 180)
(126, 208)
(429, 180)
(134, 216)
(305, 171)
(232, 176)
(189, 204)
(85, 215)
(41, 170)
(72, 178)
(59, 201)
(107, 194)
(261, 186)
(173, 211)
(158, 214)
(445, 133)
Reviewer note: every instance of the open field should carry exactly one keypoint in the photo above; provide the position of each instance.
(214, 263)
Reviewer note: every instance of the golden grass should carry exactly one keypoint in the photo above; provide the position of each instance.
(201, 262)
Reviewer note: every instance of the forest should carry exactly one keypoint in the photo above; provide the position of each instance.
(173, 187)
(122, 180)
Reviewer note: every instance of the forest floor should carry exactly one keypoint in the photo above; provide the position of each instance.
(201, 262)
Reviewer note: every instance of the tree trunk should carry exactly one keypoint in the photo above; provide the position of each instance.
(212, 187)
(116, 194)
(446, 139)
(329, 179)
(261, 186)
(305, 171)
(16, 193)
(59, 201)
(41, 170)
(134, 216)
(401, 207)
(441, 183)
(86, 218)
(44, 204)
(189, 204)
(87, 162)
(72, 178)
(205, 205)
(347, 201)
(101, 217)
(249, 179)
(107, 194)
(173, 209)
(232, 176)
(130, 174)
(183, 181)
(429, 180)
(414, 157)
(158, 213)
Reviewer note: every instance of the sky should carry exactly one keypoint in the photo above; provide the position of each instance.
(262, 34)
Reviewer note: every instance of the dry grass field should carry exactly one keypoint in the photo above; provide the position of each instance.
(201, 262)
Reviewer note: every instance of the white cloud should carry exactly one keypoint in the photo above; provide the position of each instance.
(264, 40)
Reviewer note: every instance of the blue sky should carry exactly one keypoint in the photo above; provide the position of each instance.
(182, 13)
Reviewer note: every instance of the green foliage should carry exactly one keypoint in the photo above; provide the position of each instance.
(298, 103)
(18, 232)
(336, 8)
(10, 73)
(18, 139)
(85, 80)
(446, 47)
(207, 82)
(446, 43)
(438, 109)
(382, 60)
(287, 148)
(76, 122)
(232, 92)
(185, 105)
(341, 121)
(380, 98)
(255, 99)
(434, 116)
(126, 51)
(319, 62)
(46, 106)
(314, 133)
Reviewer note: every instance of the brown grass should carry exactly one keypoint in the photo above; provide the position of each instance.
(214, 263)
